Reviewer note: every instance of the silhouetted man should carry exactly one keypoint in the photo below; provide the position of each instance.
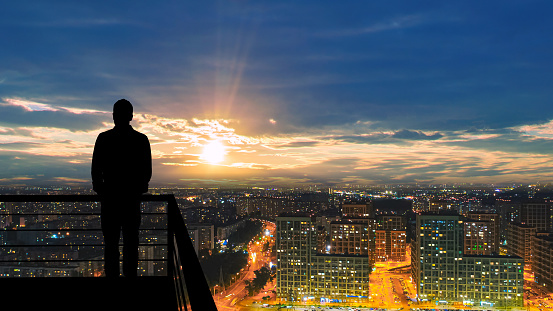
(121, 170)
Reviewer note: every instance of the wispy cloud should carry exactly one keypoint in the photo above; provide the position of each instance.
(401, 22)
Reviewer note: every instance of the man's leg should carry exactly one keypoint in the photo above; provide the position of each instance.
(131, 224)
(111, 229)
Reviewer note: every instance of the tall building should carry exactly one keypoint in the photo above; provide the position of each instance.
(349, 237)
(491, 281)
(338, 278)
(305, 274)
(542, 253)
(538, 215)
(390, 238)
(494, 220)
(296, 242)
(519, 241)
(479, 238)
(441, 270)
(438, 248)
(390, 245)
(533, 213)
(202, 236)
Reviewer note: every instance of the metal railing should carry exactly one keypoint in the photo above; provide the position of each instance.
(43, 237)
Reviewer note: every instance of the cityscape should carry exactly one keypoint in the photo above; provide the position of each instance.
(284, 155)
(480, 247)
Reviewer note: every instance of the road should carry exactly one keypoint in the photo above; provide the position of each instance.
(235, 296)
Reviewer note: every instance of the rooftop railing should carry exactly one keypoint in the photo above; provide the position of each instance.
(45, 236)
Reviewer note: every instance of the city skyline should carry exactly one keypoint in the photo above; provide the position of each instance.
(281, 93)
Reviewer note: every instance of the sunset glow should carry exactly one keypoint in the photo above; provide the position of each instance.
(214, 152)
(256, 93)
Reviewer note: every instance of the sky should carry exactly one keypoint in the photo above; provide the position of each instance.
(281, 92)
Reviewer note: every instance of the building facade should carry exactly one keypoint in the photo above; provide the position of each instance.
(493, 226)
(519, 241)
(296, 242)
(202, 236)
(358, 210)
(337, 278)
(543, 260)
(441, 270)
(305, 274)
(491, 281)
(390, 238)
(479, 238)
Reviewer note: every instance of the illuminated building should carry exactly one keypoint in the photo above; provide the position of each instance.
(349, 238)
(340, 278)
(390, 245)
(296, 242)
(536, 214)
(519, 241)
(542, 254)
(442, 205)
(303, 274)
(202, 236)
(491, 281)
(390, 238)
(438, 248)
(358, 210)
(479, 238)
(442, 272)
(492, 231)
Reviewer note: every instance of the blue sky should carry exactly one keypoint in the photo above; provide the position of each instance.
(296, 92)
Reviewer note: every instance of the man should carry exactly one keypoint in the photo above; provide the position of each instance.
(121, 170)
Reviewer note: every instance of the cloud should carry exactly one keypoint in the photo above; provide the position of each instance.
(21, 113)
(415, 135)
(400, 22)
(297, 144)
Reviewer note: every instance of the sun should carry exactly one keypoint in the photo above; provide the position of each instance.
(214, 152)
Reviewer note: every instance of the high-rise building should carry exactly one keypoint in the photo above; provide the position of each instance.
(479, 238)
(491, 230)
(338, 278)
(305, 274)
(296, 242)
(533, 213)
(538, 215)
(202, 236)
(491, 281)
(439, 247)
(441, 271)
(519, 241)
(390, 238)
(390, 245)
(349, 237)
(542, 255)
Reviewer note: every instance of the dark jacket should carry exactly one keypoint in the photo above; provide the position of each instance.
(121, 162)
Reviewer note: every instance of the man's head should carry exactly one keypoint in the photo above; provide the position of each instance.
(122, 112)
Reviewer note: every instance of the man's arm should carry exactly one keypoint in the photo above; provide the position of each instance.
(147, 165)
(96, 168)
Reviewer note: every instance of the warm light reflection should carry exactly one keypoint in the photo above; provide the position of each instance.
(214, 152)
